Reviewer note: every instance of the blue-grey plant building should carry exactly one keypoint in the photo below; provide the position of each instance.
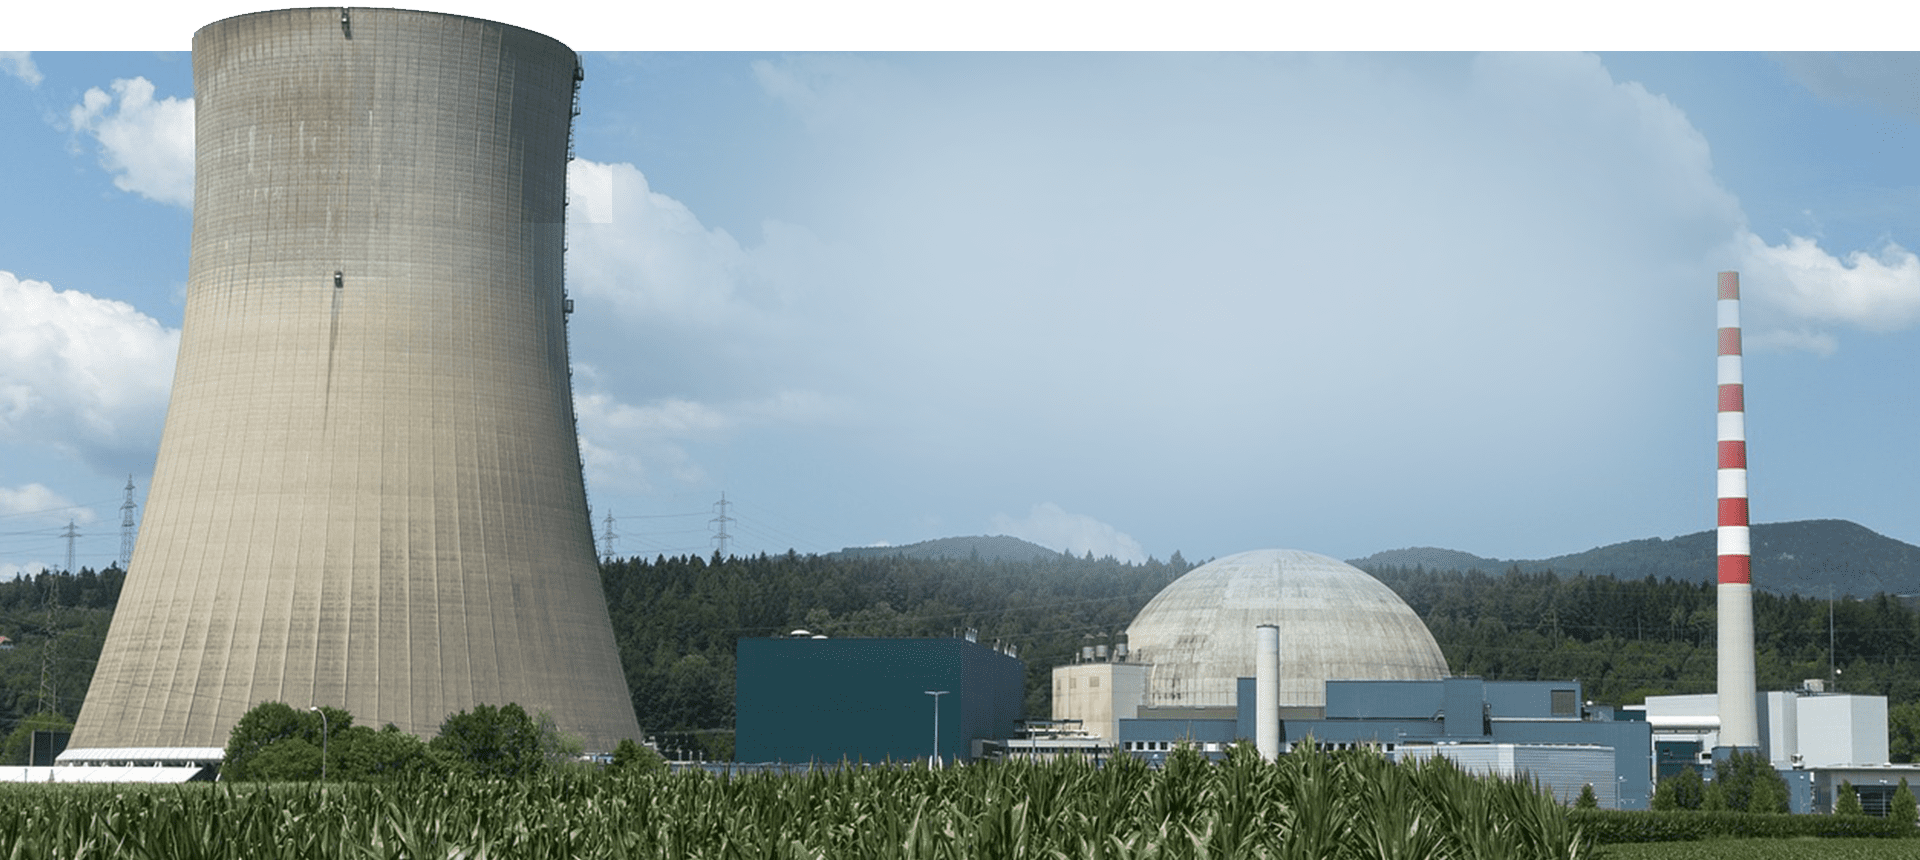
(804, 699)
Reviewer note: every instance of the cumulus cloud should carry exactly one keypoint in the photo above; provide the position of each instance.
(1877, 291)
(20, 65)
(1300, 285)
(84, 375)
(631, 447)
(654, 261)
(1050, 526)
(696, 328)
(38, 500)
(146, 144)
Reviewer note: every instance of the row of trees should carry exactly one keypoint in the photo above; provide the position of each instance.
(54, 624)
(676, 621)
(275, 742)
(1629, 639)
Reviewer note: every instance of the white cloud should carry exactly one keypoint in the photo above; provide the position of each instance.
(1285, 282)
(20, 65)
(38, 516)
(1872, 291)
(1050, 526)
(626, 447)
(39, 501)
(147, 145)
(654, 261)
(84, 375)
(590, 192)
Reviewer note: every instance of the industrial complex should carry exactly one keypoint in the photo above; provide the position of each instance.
(369, 495)
(1279, 647)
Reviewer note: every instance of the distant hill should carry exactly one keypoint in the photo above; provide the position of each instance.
(1803, 557)
(985, 547)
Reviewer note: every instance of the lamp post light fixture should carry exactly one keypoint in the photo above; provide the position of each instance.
(323, 740)
(936, 694)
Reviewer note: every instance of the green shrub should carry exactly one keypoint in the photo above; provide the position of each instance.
(630, 757)
(1684, 790)
(1900, 809)
(491, 741)
(1846, 801)
(1613, 827)
(273, 742)
(1750, 783)
(18, 746)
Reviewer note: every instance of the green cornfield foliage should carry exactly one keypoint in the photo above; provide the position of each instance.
(1764, 849)
(1311, 805)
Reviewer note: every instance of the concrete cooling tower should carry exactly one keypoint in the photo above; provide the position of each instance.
(368, 493)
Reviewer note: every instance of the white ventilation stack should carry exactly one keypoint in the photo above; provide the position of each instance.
(1266, 691)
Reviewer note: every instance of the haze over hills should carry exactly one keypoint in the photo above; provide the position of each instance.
(1804, 557)
(984, 547)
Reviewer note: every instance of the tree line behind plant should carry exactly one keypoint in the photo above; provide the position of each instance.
(274, 742)
(676, 621)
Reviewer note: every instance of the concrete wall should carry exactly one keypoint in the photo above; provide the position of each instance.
(1843, 730)
(369, 490)
(1562, 770)
(1823, 730)
(1099, 695)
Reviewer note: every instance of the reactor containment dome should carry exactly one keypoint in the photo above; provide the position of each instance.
(1336, 623)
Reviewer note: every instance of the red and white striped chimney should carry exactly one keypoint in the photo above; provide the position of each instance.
(1739, 724)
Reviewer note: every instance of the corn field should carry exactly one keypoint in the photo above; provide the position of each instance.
(1311, 805)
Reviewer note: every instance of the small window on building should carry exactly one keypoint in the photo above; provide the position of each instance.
(1564, 704)
(1093, 682)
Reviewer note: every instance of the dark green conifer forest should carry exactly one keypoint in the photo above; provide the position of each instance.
(676, 621)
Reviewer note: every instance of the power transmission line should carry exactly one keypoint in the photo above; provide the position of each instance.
(70, 534)
(720, 536)
(126, 528)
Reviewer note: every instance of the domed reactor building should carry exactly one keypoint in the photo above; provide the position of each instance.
(1192, 643)
(369, 492)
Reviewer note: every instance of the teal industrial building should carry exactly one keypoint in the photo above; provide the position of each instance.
(805, 699)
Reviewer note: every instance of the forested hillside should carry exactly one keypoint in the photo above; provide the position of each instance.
(55, 624)
(1628, 639)
(1809, 557)
(677, 620)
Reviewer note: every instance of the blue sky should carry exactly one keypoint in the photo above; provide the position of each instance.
(1112, 302)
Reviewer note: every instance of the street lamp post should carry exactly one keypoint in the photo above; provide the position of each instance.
(936, 694)
(323, 740)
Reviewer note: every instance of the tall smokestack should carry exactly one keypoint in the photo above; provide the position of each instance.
(1266, 691)
(1739, 725)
